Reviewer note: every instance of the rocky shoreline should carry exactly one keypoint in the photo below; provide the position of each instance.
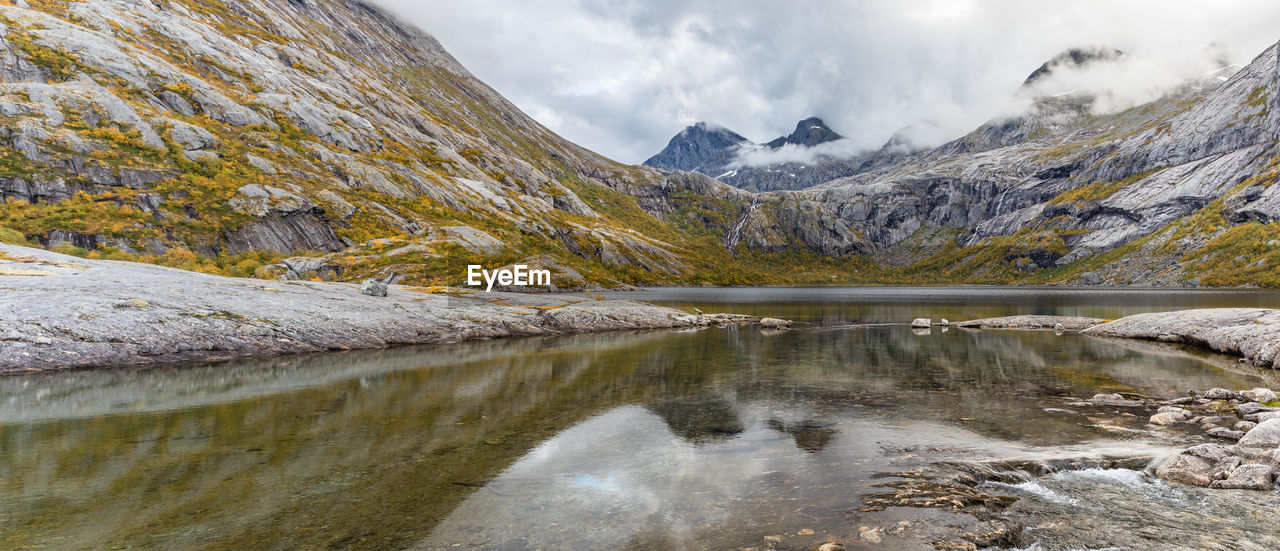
(1248, 419)
(62, 311)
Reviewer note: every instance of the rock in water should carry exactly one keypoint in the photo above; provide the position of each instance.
(373, 288)
(1165, 419)
(921, 323)
(774, 323)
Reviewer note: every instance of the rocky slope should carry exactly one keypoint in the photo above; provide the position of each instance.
(325, 139)
(1177, 191)
(224, 136)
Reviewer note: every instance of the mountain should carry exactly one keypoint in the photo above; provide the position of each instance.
(306, 138)
(808, 133)
(703, 147)
(327, 139)
(737, 161)
(1072, 58)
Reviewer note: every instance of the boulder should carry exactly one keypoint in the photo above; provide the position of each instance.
(1262, 416)
(774, 323)
(1226, 433)
(1195, 465)
(1265, 435)
(1114, 400)
(1253, 407)
(1259, 395)
(373, 288)
(1247, 477)
(921, 323)
(1220, 394)
(1163, 419)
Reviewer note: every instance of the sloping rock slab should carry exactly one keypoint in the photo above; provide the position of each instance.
(97, 313)
(1252, 333)
(1069, 323)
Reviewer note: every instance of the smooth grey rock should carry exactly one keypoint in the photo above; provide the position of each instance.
(1225, 433)
(1261, 416)
(1166, 419)
(191, 137)
(1114, 400)
(1220, 394)
(774, 323)
(1249, 408)
(1067, 323)
(1248, 332)
(1265, 435)
(264, 165)
(1259, 395)
(122, 313)
(921, 323)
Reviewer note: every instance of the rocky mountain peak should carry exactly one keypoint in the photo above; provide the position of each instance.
(702, 147)
(1075, 58)
(809, 132)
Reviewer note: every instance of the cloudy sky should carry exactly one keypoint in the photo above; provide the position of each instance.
(622, 76)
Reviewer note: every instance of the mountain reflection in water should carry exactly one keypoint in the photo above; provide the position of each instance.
(656, 440)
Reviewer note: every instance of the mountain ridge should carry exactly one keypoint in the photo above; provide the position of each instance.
(329, 140)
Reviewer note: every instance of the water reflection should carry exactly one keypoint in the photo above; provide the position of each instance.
(652, 440)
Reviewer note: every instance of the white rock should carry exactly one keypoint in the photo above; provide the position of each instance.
(1262, 395)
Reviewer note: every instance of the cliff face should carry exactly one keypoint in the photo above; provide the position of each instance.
(224, 136)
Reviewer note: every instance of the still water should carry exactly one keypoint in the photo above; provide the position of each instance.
(715, 439)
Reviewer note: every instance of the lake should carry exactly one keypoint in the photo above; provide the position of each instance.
(850, 428)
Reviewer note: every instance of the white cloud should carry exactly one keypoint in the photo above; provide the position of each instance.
(622, 76)
(760, 155)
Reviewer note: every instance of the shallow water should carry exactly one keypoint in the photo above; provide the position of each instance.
(713, 439)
